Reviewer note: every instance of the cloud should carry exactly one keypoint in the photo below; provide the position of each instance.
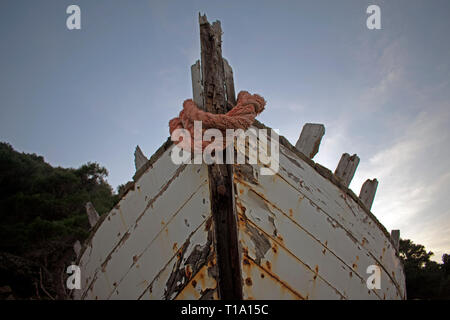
(414, 181)
(405, 147)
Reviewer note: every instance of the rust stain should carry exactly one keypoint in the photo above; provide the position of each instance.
(183, 271)
(241, 209)
(245, 171)
(208, 224)
(291, 213)
(279, 237)
(202, 280)
(188, 271)
(248, 281)
(284, 285)
(316, 272)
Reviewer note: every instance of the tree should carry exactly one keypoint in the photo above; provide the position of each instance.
(42, 213)
(425, 279)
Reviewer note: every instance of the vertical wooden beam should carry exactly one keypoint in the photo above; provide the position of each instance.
(92, 214)
(346, 168)
(220, 175)
(309, 141)
(229, 85)
(77, 248)
(368, 190)
(197, 89)
(139, 158)
(395, 236)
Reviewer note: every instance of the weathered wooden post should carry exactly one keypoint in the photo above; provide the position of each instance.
(309, 141)
(346, 168)
(77, 248)
(92, 214)
(395, 236)
(368, 190)
(139, 158)
(216, 94)
(197, 87)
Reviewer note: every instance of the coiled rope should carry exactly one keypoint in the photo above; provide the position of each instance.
(241, 116)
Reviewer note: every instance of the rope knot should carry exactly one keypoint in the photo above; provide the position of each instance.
(241, 116)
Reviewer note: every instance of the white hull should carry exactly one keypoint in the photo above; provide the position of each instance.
(301, 236)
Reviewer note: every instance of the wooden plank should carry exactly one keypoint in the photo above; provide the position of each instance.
(203, 280)
(77, 247)
(336, 204)
(229, 84)
(288, 234)
(201, 287)
(190, 187)
(267, 287)
(332, 238)
(197, 88)
(395, 235)
(337, 207)
(346, 168)
(220, 175)
(115, 225)
(309, 141)
(368, 190)
(145, 266)
(284, 268)
(92, 214)
(139, 158)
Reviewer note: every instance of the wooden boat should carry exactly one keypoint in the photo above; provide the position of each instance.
(198, 231)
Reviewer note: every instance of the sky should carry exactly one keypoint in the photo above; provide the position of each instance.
(93, 94)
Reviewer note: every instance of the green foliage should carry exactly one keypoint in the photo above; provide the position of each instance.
(39, 203)
(425, 279)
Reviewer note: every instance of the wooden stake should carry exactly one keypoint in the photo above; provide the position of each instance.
(395, 236)
(220, 175)
(229, 85)
(368, 190)
(197, 89)
(309, 141)
(346, 168)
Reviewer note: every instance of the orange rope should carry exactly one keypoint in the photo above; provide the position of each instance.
(240, 117)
